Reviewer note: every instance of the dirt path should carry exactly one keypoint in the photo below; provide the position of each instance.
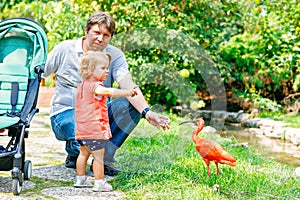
(47, 156)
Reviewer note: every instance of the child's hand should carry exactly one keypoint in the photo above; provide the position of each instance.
(133, 91)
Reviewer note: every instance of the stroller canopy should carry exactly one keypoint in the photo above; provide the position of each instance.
(23, 54)
(24, 38)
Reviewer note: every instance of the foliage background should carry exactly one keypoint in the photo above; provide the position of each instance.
(254, 44)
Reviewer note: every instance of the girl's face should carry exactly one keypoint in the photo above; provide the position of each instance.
(101, 71)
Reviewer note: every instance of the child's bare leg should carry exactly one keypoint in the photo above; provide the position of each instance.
(82, 160)
(98, 165)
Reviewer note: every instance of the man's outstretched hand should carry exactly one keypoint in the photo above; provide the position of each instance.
(158, 120)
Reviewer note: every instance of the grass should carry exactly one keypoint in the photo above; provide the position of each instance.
(160, 164)
(166, 165)
(290, 120)
(43, 183)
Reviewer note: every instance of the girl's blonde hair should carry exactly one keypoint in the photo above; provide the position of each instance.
(89, 61)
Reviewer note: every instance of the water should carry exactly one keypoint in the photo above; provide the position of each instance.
(276, 149)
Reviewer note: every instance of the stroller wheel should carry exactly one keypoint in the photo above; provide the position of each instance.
(16, 186)
(27, 170)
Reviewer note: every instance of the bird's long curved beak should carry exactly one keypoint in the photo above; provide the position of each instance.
(188, 121)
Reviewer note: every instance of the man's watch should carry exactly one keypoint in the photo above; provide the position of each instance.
(145, 111)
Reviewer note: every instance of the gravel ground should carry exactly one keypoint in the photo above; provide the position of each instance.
(44, 151)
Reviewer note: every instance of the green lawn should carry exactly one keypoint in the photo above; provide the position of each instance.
(290, 120)
(166, 165)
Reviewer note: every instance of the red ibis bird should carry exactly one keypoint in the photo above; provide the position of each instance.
(210, 151)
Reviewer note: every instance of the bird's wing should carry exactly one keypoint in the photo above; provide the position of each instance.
(213, 151)
(206, 148)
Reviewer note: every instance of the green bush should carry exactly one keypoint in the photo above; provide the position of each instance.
(249, 46)
(266, 57)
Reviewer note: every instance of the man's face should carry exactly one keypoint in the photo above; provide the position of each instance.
(98, 37)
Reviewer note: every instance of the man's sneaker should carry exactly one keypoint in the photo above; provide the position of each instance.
(82, 182)
(71, 162)
(102, 187)
(111, 170)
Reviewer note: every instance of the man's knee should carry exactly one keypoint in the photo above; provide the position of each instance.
(119, 105)
(121, 108)
(123, 118)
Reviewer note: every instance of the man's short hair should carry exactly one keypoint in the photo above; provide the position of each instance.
(99, 18)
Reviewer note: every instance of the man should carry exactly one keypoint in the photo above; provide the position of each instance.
(124, 113)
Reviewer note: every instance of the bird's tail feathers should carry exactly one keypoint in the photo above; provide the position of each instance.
(228, 158)
(231, 163)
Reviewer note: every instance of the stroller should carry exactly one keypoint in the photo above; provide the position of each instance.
(23, 53)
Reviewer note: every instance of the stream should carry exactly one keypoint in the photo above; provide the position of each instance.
(278, 150)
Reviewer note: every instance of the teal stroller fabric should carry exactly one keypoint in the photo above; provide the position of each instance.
(23, 53)
(24, 33)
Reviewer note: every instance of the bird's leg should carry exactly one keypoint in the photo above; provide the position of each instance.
(218, 170)
(208, 167)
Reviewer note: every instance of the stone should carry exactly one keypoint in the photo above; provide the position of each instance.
(209, 129)
(297, 171)
(276, 133)
(293, 135)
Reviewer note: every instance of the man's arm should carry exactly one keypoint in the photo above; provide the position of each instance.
(51, 66)
(139, 103)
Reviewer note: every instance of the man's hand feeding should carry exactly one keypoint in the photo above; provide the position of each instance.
(158, 120)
